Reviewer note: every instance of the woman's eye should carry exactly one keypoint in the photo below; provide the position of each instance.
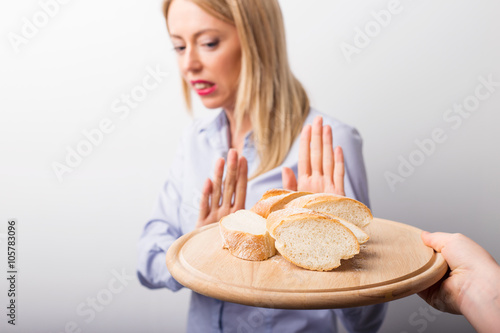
(179, 49)
(211, 44)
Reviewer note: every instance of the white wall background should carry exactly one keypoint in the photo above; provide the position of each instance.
(76, 235)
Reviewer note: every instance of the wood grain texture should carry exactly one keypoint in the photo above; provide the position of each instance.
(393, 264)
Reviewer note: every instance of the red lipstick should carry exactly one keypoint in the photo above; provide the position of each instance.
(203, 87)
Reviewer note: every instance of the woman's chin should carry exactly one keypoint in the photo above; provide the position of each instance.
(210, 103)
(212, 106)
(215, 102)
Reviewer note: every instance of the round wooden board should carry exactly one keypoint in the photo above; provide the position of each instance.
(393, 264)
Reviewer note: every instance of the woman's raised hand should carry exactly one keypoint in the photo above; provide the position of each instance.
(320, 167)
(220, 198)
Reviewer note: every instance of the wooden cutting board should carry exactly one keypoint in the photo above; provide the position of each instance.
(393, 264)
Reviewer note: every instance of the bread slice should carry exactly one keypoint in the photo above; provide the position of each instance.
(361, 236)
(348, 209)
(310, 239)
(245, 235)
(275, 199)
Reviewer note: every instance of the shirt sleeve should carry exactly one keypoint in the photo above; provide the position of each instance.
(356, 183)
(162, 230)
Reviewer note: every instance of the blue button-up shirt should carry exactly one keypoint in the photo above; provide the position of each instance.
(177, 211)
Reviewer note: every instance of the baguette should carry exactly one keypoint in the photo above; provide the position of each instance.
(275, 199)
(310, 239)
(274, 192)
(345, 208)
(244, 234)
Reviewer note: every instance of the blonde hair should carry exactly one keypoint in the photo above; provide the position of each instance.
(268, 93)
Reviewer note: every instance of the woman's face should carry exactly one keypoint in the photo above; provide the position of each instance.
(208, 53)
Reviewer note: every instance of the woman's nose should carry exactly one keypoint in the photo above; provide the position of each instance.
(191, 61)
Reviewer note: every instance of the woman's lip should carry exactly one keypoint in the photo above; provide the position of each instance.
(206, 91)
(201, 81)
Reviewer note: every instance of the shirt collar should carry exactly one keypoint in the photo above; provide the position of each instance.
(214, 123)
(217, 132)
(215, 129)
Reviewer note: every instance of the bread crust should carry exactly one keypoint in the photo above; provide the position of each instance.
(245, 245)
(275, 199)
(318, 198)
(274, 192)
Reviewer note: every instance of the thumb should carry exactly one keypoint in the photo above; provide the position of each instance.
(436, 240)
(288, 179)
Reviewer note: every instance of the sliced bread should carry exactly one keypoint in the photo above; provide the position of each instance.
(310, 239)
(275, 199)
(245, 235)
(361, 236)
(346, 208)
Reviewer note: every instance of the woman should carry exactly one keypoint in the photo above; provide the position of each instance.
(233, 54)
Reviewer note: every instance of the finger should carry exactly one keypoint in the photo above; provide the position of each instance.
(317, 146)
(339, 171)
(458, 250)
(305, 152)
(436, 240)
(241, 184)
(328, 159)
(217, 183)
(438, 297)
(429, 293)
(288, 179)
(446, 244)
(204, 202)
(230, 181)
